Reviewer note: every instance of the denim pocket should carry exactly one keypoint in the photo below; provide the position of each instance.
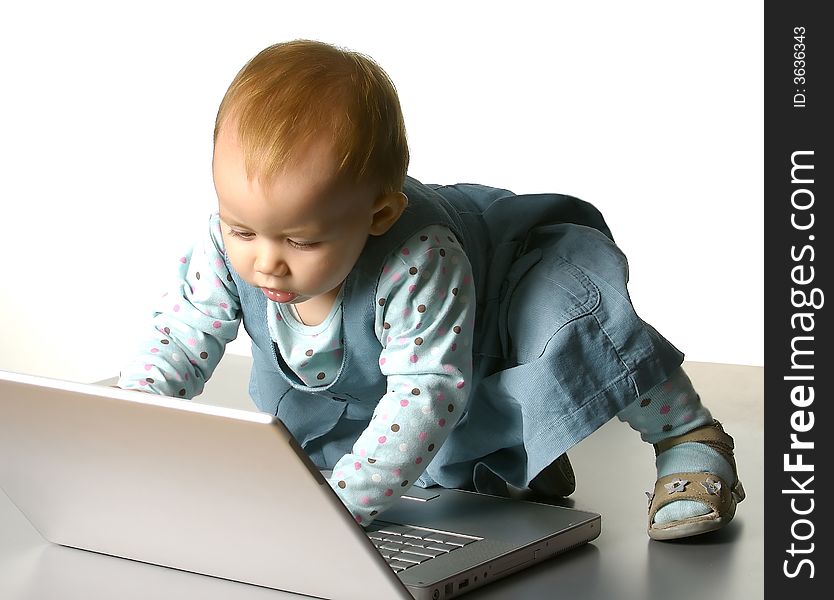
(541, 299)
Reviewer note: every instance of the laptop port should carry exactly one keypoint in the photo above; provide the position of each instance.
(463, 583)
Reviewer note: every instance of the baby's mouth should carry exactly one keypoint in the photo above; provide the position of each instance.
(279, 295)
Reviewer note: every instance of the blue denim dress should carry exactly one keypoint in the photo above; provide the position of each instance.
(558, 347)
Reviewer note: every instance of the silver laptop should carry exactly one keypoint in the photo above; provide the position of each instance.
(230, 494)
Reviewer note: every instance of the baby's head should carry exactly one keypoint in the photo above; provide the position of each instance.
(295, 93)
(310, 156)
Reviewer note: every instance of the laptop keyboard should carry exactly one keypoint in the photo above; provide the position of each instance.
(404, 546)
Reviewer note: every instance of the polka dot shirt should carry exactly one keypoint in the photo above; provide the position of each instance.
(423, 319)
(192, 323)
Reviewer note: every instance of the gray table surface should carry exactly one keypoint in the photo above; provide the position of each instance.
(613, 467)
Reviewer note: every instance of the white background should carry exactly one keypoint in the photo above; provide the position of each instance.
(652, 111)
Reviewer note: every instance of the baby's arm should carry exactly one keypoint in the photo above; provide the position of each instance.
(425, 327)
(191, 324)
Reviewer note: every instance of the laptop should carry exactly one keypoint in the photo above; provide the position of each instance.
(230, 494)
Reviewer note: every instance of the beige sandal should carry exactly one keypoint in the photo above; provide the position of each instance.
(701, 487)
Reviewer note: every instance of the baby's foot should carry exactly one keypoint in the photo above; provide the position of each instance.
(697, 488)
(691, 457)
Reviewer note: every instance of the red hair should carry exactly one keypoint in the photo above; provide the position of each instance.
(294, 92)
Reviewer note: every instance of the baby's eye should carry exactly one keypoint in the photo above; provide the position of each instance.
(301, 245)
(244, 235)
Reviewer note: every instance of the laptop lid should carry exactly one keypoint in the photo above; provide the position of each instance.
(229, 493)
(209, 490)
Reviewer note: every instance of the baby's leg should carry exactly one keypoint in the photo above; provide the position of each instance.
(667, 411)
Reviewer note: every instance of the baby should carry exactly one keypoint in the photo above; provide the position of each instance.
(412, 334)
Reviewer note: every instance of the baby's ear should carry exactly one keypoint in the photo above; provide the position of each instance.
(386, 210)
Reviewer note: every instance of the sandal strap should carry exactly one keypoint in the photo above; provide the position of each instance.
(701, 487)
(712, 435)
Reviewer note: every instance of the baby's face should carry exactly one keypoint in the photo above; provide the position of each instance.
(298, 236)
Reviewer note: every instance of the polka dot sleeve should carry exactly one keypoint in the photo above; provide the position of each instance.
(424, 319)
(191, 324)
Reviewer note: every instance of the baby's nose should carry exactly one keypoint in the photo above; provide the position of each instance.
(269, 261)
(281, 269)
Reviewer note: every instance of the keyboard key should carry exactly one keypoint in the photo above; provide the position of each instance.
(399, 565)
(447, 538)
(410, 558)
(414, 533)
(389, 545)
(421, 551)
